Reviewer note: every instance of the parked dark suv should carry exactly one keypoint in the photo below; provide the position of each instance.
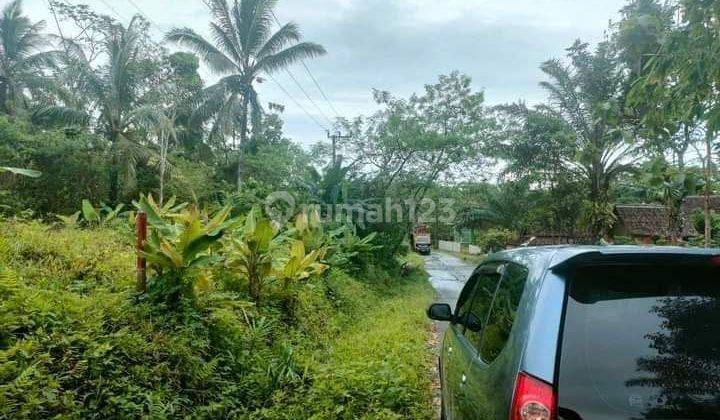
(585, 333)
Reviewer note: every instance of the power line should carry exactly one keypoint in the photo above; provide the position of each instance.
(313, 78)
(299, 105)
(143, 14)
(322, 92)
(308, 96)
(112, 9)
(146, 16)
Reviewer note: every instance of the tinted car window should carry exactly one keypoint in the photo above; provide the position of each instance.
(641, 342)
(463, 304)
(503, 313)
(481, 301)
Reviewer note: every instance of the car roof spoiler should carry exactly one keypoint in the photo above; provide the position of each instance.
(655, 258)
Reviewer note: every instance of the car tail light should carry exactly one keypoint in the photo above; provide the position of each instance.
(533, 399)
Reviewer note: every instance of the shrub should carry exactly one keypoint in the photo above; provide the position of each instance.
(75, 342)
(72, 169)
(377, 366)
(494, 240)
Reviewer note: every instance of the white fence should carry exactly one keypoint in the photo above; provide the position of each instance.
(474, 250)
(459, 248)
(449, 246)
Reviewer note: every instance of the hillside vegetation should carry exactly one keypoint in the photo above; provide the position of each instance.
(78, 341)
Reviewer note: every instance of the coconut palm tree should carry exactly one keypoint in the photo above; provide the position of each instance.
(21, 58)
(113, 97)
(243, 48)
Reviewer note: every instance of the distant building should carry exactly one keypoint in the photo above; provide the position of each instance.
(646, 223)
(642, 222)
(548, 237)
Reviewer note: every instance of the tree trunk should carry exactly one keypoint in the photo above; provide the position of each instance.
(163, 164)
(708, 188)
(243, 136)
(114, 170)
(681, 150)
(4, 95)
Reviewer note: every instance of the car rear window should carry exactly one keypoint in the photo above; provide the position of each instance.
(641, 342)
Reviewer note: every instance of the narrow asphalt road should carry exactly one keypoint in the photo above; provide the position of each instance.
(448, 275)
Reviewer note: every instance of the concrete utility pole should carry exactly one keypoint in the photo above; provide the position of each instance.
(334, 138)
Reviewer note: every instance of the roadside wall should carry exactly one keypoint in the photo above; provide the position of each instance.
(449, 246)
(474, 250)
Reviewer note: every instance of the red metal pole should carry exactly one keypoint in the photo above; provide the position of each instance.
(141, 234)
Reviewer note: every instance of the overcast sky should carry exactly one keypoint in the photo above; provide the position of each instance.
(398, 45)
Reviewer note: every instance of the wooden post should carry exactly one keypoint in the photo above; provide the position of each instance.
(141, 234)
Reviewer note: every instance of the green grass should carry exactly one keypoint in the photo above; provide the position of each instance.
(471, 259)
(75, 342)
(379, 366)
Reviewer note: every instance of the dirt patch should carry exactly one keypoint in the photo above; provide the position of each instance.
(434, 342)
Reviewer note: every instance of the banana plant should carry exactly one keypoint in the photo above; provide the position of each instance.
(157, 214)
(102, 215)
(348, 246)
(308, 228)
(70, 221)
(251, 251)
(91, 215)
(300, 265)
(177, 248)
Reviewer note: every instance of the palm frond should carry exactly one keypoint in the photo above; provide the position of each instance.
(218, 62)
(221, 13)
(285, 36)
(227, 42)
(45, 59)
(254, 21)
(59, 115)
(290, 56)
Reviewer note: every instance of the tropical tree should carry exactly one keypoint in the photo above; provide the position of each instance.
(244, 48)
(534, 143)
(413, 142)
(161, 122)
(670, 186)
(683, 80)
(21, 57)
(327, 187)
(112, 96)
(588, 95)
(505, 206)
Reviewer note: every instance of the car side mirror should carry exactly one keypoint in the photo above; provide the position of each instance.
(440, 312)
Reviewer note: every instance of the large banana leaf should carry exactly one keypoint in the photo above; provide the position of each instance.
(20, 171)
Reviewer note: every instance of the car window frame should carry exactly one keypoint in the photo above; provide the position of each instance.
(492, 307)
(471, 283)
(492, 267)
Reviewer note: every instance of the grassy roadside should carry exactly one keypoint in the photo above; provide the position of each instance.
(74, 341)
(472, 259)
(377, 362)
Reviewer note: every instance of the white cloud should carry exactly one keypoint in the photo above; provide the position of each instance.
(400, 45)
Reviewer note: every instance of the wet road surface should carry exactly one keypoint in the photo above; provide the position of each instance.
(448, 275)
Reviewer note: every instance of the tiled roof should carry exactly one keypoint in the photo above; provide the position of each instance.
(643, 219)
(697, 202)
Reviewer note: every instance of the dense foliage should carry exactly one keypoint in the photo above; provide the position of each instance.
(199, 342)
(245, 314)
